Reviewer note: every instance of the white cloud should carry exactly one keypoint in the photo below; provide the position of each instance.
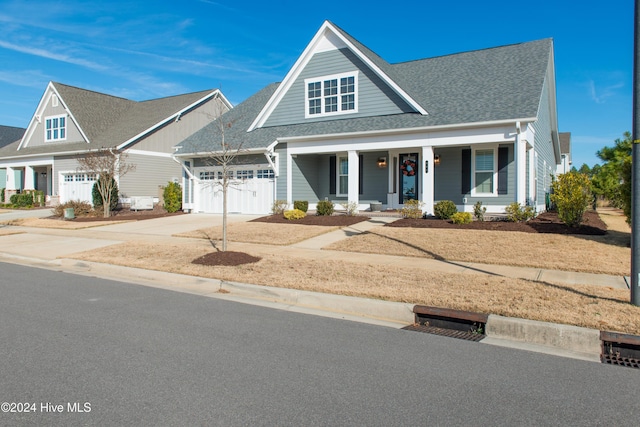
(600, 94)
(43, 53)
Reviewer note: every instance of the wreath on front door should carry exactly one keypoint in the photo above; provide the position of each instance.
(408, 167)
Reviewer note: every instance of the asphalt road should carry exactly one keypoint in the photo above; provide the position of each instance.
(131, 355)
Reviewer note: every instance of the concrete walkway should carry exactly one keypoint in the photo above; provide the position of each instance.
(44, 247)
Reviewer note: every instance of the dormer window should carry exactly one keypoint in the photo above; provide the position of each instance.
(328, 95)
(55, 128)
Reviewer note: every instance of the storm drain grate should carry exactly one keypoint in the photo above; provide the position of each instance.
(452, 333)
(620, 349)
(620, 361)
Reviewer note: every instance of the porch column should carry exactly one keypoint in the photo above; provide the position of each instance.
(29, 183)
(289, 179)
(520, 155)
(11, 179)
(354, 177)
(428, 173)
(532, 176)
(49, 181)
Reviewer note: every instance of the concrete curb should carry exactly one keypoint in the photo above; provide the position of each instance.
(544, 337)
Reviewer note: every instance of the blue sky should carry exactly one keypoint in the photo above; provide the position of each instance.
(149, 49)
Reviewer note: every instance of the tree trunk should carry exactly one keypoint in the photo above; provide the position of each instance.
(225, 185)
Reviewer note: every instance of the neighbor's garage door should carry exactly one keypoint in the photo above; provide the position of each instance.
(250, 191)
(76, 186)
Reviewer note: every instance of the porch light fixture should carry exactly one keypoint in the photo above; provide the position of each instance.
(43, 174)
(436, 159)
(382, 162)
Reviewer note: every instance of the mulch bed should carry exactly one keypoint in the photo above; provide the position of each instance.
(546, 222)
(228, 258)
(326, 220)
(127, 215)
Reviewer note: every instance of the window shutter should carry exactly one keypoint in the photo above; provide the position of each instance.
(360, 173)
(503, 170)
(332, 174)
(466, 171)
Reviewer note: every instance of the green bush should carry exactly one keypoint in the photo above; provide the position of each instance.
(519, 213)
(14, 199)
(461, 218)
(302, 205)
(444, 209)
(80, 208)
(412, 209)
(294, 214)
(278, 207)
(172, 196)
(2, 195)
(324, 208)
(97, 198)
(571, 195)
(479, 211)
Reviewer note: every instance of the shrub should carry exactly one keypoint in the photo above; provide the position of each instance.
(2, 196)
(278, 207)
(172, 196)
(479, 211)
(14, 199)
(325, 208)
(294, 214)
(97, 198)
(461, 218)
(571, 195)
(302, 205)
(412, 209)
(351, 208)
(519, 213)
(444, 209)
(80, 208)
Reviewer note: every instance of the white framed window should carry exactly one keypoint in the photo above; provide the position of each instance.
(265, 173)
(229, 174)
(244, 174)
(343, 176)
(207, 175)
(68, 178)
(334, 94)
(80, 177)
(55, 128)
(484, 172)
(91, 177)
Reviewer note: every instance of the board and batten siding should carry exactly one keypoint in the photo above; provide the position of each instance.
(151, 172)
(175, 131)
(374, 97)
(281, 181)
(72, 132)
(543, 147)
(448, 179)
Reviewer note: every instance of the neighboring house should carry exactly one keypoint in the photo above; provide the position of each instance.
(8, 134)
(565, 153)
(345, 125)
(70, 122)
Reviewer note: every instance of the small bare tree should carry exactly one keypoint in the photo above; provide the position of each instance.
(107, 164)
(224, 155)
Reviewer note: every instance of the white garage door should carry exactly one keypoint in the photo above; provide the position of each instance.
(250, 191)
(76, 186)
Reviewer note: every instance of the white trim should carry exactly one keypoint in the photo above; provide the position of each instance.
(37, 117)
(338, 95)
(317, 44)
(338, 174)
(474, 149)
(59, 128)
(149, 153)
(215, 94)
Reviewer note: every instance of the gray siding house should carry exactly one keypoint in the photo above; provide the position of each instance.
(347, 126)
(70, 122)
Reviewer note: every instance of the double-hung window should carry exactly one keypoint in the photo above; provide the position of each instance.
(343, 175)
(335, 94)
(55, 128)
(484, 172)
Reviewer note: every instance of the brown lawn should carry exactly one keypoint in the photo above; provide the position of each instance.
(261, 232)
(581, 305)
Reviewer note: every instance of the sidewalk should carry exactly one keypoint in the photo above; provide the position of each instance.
(35, 246)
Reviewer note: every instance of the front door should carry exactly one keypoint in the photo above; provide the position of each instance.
(408, 177)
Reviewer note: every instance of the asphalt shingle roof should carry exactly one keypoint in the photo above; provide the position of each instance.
(502, 83)
(107, 120)
(9, 134)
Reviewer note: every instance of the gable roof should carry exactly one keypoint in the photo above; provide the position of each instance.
(496, 85)
(9, 134)
(106, 120)
(331, 35)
